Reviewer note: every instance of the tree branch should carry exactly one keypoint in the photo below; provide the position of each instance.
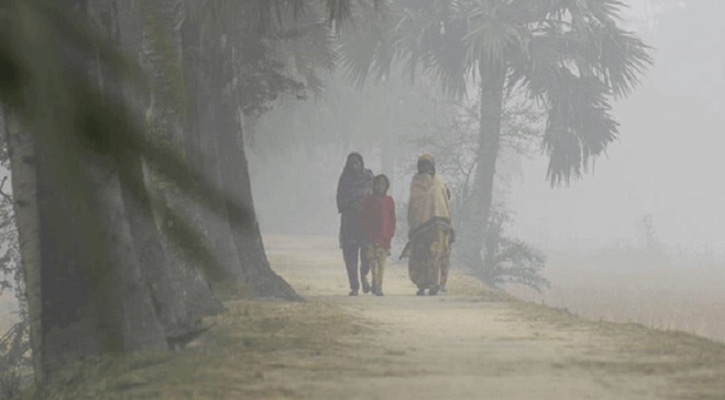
(3, 194)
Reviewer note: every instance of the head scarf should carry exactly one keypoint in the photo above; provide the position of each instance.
(427, 158)
(353, 186)
(354, 154)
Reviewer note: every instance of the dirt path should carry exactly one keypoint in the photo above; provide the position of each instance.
(473, 344)
(468, 344)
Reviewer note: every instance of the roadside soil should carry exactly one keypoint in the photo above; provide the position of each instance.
(471, 343)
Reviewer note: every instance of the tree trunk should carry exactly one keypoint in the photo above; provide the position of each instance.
(176, 210)
(256, 271)
(94, 298)
(85, 291)
(214, 221)
(130, 298)
(181, 295)
(479, 205)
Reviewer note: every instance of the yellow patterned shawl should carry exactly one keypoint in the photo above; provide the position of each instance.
(428, 200)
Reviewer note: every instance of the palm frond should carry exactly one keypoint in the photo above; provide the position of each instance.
(277, 13)
(588, 11)
(307, 49)
(618, 56)
(423, 38)
(490, 36)
(432, 38)
(341, 11)
(367, 46)
(537, 68)
(579, 126)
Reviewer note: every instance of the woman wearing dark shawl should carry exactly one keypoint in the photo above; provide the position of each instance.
(355, 183)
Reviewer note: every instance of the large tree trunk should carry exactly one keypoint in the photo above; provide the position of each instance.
(227, 127)
(85, 291)
(215, 220)
(176, 210)
(130, 299)
(474, 224)
(94, 299)
(163, 50)
(181, 295)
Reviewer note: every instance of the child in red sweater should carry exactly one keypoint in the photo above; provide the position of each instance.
(378, 220)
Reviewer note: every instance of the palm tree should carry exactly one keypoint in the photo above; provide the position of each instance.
(570, 57)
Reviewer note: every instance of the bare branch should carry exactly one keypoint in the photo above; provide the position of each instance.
(3, 194)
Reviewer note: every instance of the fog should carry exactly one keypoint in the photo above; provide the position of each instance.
(638, 237)
(667, 163)
(665, 166)
(580, 146)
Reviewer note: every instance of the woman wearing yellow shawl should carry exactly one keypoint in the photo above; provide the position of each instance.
(430, 229)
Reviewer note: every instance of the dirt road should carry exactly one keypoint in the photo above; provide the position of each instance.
(468, 344)
(474, 344)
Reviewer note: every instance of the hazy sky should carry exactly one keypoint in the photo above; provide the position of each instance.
(669, 162)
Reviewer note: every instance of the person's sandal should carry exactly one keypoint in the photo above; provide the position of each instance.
(352, 293)
(420, 292)
(433, 291)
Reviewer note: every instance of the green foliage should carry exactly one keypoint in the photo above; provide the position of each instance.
(509, 261)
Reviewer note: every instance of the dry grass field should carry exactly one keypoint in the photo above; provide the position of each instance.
(625, 285)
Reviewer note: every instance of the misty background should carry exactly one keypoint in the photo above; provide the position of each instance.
(666, 165)
(645, 223)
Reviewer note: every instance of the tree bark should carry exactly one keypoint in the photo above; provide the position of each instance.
(214, 221)
(130, 297)
(85, 292)
(181, 296)
(234, 172)
(95, 299)
(479, 205)
(162, 56)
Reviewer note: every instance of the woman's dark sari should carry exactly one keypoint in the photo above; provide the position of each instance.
(351, 190)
